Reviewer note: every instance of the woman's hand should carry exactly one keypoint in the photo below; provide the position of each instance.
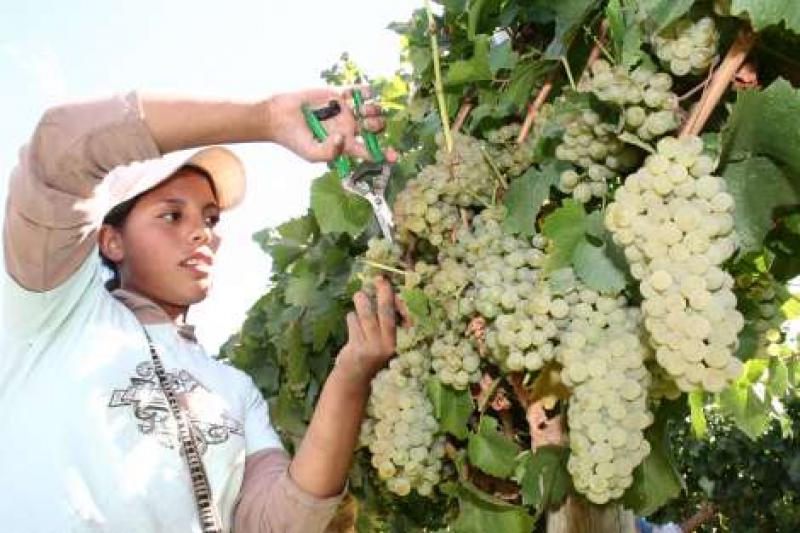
(544, 431)
(371, 335)
(287, 126)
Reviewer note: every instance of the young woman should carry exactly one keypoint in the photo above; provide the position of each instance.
(113, 418)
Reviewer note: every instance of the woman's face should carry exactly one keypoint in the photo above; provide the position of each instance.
(165, 249)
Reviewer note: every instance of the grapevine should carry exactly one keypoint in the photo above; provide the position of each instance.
(616, 249)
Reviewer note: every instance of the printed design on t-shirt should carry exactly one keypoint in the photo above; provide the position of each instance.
(210, 422)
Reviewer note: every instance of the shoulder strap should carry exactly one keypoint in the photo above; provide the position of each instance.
(209, 519)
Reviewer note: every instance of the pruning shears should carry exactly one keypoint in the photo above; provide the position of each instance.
(367, 179)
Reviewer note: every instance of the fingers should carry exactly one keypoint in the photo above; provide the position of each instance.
(354, 331)
(386, 314)
(367, 318)
(328, 150)
(536, 415)
(402, 309)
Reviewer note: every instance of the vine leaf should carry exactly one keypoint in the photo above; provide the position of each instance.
(746, 401)
(759, 186)
(764, 123)
(625, 31)
(763, 13)
(480, 512)
(335, 209)
(525, 198)
(568, 15)
(419, 308)
(662, 13)
(476, 68)
(582, 242)
(452, 408)
(502, 56)
(697, 415)
(491, 451)
(300, 289)
(544, 478)
(656, 480)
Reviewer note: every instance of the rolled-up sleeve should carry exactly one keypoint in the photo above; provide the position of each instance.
(271, 502)
(51, 213)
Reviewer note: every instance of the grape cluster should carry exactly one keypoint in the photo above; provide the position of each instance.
(400, 429)
(504, 290)
(455, 360)
(674, 220)
(511, 158)
(687, 47)
(428, 206)
(764, 314)
(595, 150)
(607, 411)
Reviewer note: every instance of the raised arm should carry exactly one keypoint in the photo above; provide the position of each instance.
(51, 219)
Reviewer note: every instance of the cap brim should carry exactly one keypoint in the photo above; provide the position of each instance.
(223, 166)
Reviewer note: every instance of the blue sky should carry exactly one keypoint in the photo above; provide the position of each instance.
(52, 51)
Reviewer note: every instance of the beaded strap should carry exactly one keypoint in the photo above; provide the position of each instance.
(209, 520)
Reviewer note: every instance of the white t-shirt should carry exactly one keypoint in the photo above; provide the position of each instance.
(88, 443)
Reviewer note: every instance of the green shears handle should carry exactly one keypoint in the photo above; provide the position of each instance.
(341, 163)
(370, 139)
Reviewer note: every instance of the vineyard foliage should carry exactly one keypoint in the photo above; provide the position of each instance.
(580, 237)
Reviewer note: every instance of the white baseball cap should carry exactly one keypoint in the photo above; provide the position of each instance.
(222, 165)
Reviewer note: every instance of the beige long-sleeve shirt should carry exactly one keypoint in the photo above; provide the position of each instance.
(88, 443)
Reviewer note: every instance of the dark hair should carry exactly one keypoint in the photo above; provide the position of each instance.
(118, 215)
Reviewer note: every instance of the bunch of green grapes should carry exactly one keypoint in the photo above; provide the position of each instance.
(687, 47)
(765, 314)
(454, 359)
(511, 158)
(675, 223)
(649, 107)
(428, 205)
(596, 152)
(400, 429)
(603, 361)
(504, 287)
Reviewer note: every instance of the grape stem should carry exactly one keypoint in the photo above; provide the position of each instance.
(437, 82)
(720, 81)
(381, 266)
(461, 116)
(493, 166)
(537, 103)
(598, 48)
(515, 379)
(702, 85)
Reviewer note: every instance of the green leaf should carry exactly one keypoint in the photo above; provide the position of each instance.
(697, 415)
(763, 13)
(595, 268)
(300, 289)
(656, 480)
(625, 31)
(478, 11)
(452, 408)
(759, 187)
(661, 13)
(419, 308)
(476, 68)
(521, 82)
(778, 381)
(298, 230)
(764, 123)
(502, 56)
(335, 209)
(297, 369)
(745, 400)
(545, 480)
(525, 198)
(479, 514)
(490, 451)
(565, 228)
(569, 16)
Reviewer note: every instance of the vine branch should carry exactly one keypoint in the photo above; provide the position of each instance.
(537, 103)
(461, 116)
(719, 82)
(437, 82)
